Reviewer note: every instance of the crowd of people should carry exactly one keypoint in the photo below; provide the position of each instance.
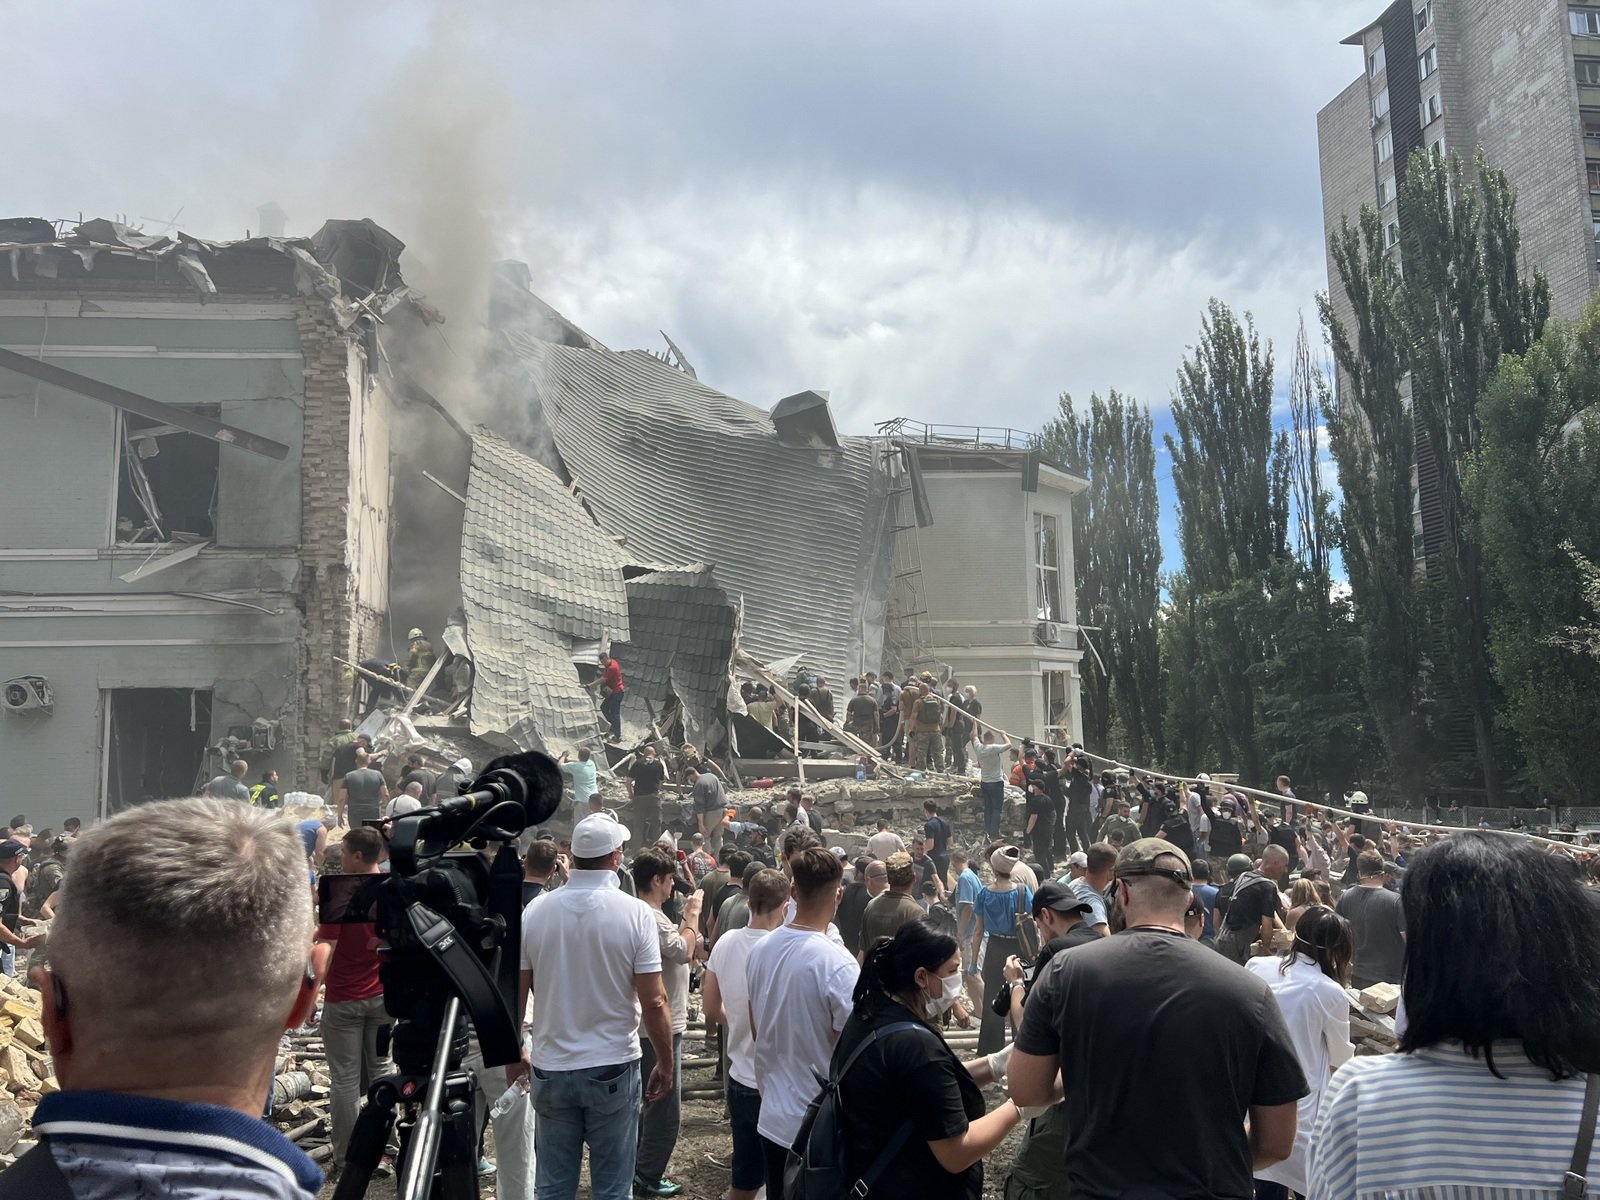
(1157, 972)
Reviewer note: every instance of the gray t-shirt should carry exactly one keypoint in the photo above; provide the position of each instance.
(708, 794)
(226, 787)
(1378, 923)
(993, 764)
(364, 793)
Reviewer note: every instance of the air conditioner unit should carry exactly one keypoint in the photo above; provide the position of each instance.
(28, 693)
(1047, 633)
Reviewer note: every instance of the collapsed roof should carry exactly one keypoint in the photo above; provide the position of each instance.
(801, 534)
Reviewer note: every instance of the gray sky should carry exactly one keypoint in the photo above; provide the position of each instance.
(950, 211)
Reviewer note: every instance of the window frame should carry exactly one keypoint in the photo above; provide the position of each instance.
(1596, 220)
(1386, 146)
(1376, 62)
(1427, 63)
(1391, 234)
(1589, 17)
(1589, 66)
(1057, 723)
(1431, 108)
(1424, 15)
(1380, 105)
(1386, 191)
(1047, 575)
(1593, 169)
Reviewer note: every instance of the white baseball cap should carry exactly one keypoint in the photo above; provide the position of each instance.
(597, 835)
(1078, 859)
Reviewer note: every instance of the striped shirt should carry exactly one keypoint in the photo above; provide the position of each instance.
(1437, 1125)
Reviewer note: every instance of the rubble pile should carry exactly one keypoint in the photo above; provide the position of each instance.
(1372, 1027)
(301, 1093)
(26, 1074)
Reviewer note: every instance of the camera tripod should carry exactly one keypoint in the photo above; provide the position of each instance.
(439, 1146)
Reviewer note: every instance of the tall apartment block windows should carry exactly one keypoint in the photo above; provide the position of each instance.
(1047, 562)
(1375, 61)
(1594, 177)
(1391, 235)
(1597, 239)
(1588, 71)
(1380, 105)
(1591, 131)
(1386, 191)
(1386, 147)
(1585, 22)
(1431, 109)
(1437, 149)
(1425, 16)
(1427, 62)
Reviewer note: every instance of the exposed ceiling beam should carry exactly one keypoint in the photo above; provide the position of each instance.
(168, 414)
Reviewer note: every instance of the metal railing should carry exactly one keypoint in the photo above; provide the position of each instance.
(976, 436)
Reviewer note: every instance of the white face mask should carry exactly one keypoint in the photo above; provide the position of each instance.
(948, 996)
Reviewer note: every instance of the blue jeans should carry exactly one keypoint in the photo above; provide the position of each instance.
(598, 1106)
(994, 799)
(611, 710)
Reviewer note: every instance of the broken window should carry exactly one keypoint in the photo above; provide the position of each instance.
(1057, 709)
(1047, 562)
(166, 480)
(155, 745)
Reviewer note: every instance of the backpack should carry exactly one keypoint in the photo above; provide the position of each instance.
(942, 918)
(815, 1166)
(930, 716)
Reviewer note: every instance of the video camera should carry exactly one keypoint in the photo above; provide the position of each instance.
(444, 918)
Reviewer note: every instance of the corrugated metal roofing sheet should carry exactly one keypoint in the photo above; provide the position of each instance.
(535, 574)
(803, 537)
(683, 625)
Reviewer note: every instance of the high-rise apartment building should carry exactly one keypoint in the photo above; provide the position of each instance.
(1518, 81)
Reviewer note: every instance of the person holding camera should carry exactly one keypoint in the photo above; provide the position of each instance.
(180, 955)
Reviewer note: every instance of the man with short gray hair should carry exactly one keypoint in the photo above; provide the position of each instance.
(163, 1070)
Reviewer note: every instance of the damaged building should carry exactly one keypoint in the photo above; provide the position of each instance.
(228, 481)
(194, 468)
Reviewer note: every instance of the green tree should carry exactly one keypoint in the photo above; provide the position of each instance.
(1231, 477)
(1535, 514)
(1117, 549)
(1464, 305)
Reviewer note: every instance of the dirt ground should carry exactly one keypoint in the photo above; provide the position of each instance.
(700, 1161)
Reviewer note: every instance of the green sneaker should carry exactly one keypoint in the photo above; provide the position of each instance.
(660, 1187)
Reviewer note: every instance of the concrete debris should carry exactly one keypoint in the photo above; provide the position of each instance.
(1372, 1029)
(1381, 998)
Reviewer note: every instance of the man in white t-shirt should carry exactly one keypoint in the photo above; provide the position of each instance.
(885, 842)
(591, 958)
(800, 984)
(727, 1001)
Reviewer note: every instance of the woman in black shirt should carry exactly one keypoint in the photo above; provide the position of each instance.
(908, 1092)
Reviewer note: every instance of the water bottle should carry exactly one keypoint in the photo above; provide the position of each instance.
(861, 770)
(512, 1094)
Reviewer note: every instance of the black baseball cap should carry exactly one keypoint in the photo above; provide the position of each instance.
(1059, 897)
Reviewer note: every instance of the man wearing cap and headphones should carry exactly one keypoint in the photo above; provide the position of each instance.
(1113, 1017)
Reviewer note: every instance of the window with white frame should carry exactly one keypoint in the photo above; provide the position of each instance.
(1585, 22)
(1588, 71)
(1386, 147)
(1594, 177)
(1432, 109)
(1427, 62)
(1391, 235)
(1597, 239)
(1386, 191)
(1425, 16)
(1047, 565)
(1380, 105)
(1437, 149)
(1057, 708)
(1375, 62)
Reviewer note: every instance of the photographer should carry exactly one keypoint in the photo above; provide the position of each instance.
(179, 957)
(1039, 1166)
